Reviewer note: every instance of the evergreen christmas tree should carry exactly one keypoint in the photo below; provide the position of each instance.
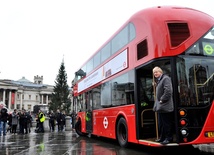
(61, 93)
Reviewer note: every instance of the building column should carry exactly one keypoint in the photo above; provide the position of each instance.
(15, 104)
(21, 101)
(47, 99)
(4, 96)
(9, 103)
(42, 98)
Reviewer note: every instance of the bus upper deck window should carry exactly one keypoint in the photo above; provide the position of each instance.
(142, 50)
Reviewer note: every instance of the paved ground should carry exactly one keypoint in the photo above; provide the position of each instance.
(48, 143)
(67, 143)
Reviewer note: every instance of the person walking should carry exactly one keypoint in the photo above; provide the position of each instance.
(163, 105)
(3, 119)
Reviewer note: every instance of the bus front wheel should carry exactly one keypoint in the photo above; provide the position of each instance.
(122, 132)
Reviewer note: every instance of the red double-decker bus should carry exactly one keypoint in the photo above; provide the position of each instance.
(113, 93)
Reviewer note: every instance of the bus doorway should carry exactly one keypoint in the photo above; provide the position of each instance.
(88, 114)
(147, 118)
(145, 101)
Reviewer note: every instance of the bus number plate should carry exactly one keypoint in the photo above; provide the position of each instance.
(210, 134)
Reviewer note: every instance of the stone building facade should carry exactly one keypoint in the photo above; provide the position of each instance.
(24, 94)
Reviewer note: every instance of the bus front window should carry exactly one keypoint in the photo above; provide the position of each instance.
(195, 80)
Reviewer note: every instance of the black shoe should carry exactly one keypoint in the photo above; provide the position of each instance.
(159, 140)
(166, 141)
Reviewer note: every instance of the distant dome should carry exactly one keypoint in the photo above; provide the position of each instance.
(24, 80)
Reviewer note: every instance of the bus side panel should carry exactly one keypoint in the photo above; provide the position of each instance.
(208, 127)
(104, 121)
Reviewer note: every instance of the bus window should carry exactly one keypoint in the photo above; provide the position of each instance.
(142, 49)
(106, 94)
(81, 105)
(120, 40)
(105, 52)
(195, 81)
(123, 89)
(97, 98)
(97, 60)
(146, 91)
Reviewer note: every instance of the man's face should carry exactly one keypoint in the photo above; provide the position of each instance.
(157, 74)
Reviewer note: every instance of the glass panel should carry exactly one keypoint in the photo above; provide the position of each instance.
(195, 81)
(132, 32)
(89, 66)
(97, 98)
(106, 94)
(123, 89)
(96, 59)
(120, 40)
(205, 46)
(105, 52)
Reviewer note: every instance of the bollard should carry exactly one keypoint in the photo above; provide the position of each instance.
(46, 124)
(68, 123)
(34, 124)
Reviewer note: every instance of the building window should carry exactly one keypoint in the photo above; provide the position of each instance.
(36, 98)
(29, 97)
(29, 107)
(23, 97)
(18, 106)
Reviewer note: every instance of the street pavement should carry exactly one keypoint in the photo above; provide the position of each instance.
(48, 143)
(65, 143)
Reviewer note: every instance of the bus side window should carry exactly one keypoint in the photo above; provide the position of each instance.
(106, 94)
(97, 98)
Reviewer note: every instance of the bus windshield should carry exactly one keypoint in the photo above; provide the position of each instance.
(195, 72)
(196, 81)
(205, 46)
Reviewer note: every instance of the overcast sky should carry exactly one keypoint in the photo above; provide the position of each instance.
(36, 35)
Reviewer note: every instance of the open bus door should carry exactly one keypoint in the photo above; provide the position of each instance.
(88, 115)
(146, 117)
(147, 125)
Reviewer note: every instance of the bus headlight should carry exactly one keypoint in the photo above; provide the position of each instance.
(184, 132)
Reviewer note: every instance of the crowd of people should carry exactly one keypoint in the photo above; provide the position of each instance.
(9, 121)
(55, 119)
(58, 119)
(20, 121)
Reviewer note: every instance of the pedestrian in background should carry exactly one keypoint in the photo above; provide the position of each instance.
(52, 121)
(41, 117)
(59, 120)
(3, 119)
(14, 121)
(63, 123)
(9, 120)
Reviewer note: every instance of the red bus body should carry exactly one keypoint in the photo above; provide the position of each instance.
(152, 24)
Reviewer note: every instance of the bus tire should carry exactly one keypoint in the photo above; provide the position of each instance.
(122, 132)
(78, 128)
